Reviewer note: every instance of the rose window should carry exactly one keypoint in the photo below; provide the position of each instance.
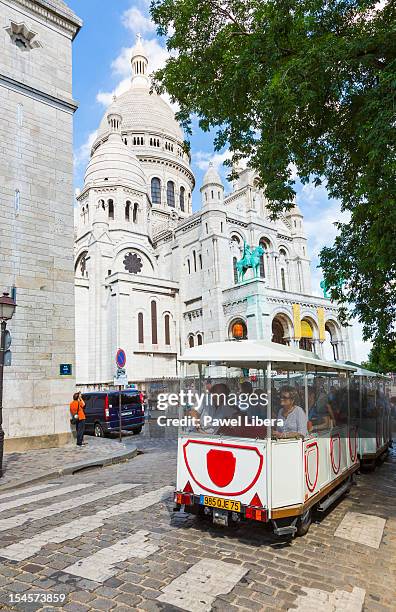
(133, 263)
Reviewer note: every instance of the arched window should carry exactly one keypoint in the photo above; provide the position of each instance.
(135, 212)
(190, 341)
(155, 190)
(140, 328)
(182, 195)
(101, 204)
(167, 329)
(283, 279)
(154, 331)
(263, 244)
(189, 266)
(238, 330)
(170, 194)
(234, 267)
(195, 261)
(127, 211)
(278, 333)
(200, 261)
(199, 339)
(110, 204)
(306, 342)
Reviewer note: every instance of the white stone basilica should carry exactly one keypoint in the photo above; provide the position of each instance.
(153, 277)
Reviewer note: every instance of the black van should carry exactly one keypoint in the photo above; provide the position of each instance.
(101, 411)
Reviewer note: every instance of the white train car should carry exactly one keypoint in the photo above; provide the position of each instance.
(238, 459)
(370, 409)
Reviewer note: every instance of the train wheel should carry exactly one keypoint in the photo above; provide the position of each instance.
(304, 523)
(368, 466)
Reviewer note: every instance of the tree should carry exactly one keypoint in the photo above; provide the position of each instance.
(310, 85)
(382, 358)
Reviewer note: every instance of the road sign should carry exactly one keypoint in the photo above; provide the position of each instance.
(120, 358)
(7, 340)
(65, 369)
(121, 381)
(7, 353)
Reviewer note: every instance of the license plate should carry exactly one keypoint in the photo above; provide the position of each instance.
(218, 502)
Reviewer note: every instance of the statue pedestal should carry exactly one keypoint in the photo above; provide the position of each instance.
(257, 311)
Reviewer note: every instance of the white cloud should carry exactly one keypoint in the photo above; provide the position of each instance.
(360, 347)
(106, 97)
(157, 56)
(320, 228)
(203, 158)
(134, 19)
(121, 66)
(82, 154)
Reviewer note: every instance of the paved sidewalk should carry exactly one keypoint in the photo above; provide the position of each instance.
(35, 465)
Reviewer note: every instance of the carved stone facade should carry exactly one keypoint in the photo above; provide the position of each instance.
(186, 282)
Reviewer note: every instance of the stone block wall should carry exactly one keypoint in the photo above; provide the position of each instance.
(36, 225)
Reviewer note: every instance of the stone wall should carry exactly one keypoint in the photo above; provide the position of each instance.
(36, 226)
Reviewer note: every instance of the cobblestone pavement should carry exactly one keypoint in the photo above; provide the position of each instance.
(112, 542)
(36, 463)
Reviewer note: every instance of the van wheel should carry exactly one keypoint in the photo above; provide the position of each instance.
(304, 523)
(98, 431)
(137, 431)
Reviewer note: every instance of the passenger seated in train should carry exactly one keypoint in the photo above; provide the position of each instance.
(324, 400)
(319, 418)
(293, 416)
(216, 407)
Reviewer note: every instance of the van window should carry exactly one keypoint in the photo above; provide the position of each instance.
(98, 401)
(93, 403)
(126, 398)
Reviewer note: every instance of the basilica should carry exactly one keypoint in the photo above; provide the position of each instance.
(153, 277)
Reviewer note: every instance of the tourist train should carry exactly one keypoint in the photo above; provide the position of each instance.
(333, 416)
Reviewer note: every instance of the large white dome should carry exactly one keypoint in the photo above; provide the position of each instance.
(142, 111)
(113, 161)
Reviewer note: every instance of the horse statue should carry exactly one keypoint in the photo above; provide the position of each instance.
(250, 259)
(326, 288)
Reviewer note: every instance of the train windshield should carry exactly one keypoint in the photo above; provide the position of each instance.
(262, 403)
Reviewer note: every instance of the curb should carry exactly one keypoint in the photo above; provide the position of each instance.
(72, 469)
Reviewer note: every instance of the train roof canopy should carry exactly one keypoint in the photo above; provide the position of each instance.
(257, 354)
(360, 371)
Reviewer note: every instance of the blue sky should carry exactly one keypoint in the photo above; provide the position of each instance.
(101, 55)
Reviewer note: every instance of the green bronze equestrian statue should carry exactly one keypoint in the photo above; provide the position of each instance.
(250, 259)
(326, 289)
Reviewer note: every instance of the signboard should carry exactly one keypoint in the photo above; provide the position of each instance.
(121, 381)
(7, 340)
(120, 358)
(65, 369)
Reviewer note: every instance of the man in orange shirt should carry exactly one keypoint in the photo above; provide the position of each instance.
(77, 408)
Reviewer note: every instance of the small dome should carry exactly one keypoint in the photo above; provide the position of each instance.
(114, 161)
(212, 177)
(295, 211)
(115, 108)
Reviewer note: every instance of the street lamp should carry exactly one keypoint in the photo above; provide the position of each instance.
(7, 309)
